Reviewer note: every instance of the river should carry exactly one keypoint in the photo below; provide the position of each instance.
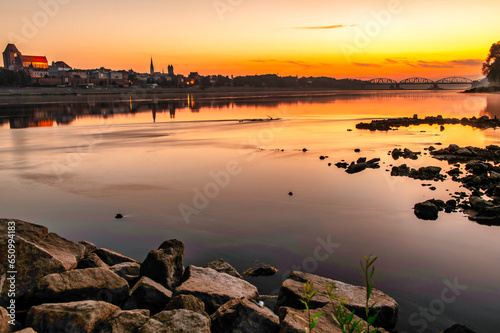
(216, 174)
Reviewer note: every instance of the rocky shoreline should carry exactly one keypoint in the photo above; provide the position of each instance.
(476, 169)
(394, 123)
(65, 286)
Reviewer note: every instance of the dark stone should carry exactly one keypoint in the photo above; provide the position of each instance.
(458, 328)
(357, 150)
(290, 193)
(148, 294)
(165, 264)
(221, 266)
(261, 271)
(187, 302)
(91, 261)
(118, 216)
(426, 211)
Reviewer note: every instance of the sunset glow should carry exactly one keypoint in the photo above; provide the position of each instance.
(362, 39)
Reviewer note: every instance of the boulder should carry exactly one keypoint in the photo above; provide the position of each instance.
(83, 316)
(89, 247)
(91, 261)
(355, 168)
(165, 264)
(458, 328)
(38, 253)
(127, 270)
(292, 289)
(463, 152)
(187, 302)
(293, 321)
(177, 321)
(214, 288)
(112, 258)
(4, 320)
(82, 284)
(221, 266)
(265, 270)
(426, 210)
(27, 330)
(148, 294)
(478, 203)
(124, 322)
(243, 315)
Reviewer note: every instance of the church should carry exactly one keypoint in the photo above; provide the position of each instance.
(13, 59)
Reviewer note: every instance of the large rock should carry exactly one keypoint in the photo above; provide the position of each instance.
(74, 317)
(292, 289)
(4, 320)
(187, 302)
(165, 264)
(458, 328)
(38, 253)
(222, 266)
(27, 330)
(91, 261)
(242, 315)
(294, 321)
(177, 321)
(82, 284)
(89, 247)
(124, 322)
(112, 258)
(127, 270)
(426, 210)
(148, 294)
(214, 288)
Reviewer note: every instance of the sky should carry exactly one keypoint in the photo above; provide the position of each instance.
(344, 39)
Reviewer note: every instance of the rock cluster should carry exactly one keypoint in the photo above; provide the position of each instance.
(360, 165)
(77, 287)
(394, 123)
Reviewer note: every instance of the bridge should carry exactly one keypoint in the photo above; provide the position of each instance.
(420, 80)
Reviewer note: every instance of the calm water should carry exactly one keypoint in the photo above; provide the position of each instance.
(192, 169)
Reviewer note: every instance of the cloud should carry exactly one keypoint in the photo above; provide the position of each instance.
(326, 27)
(361, 64)
(288, 62)
(435, 64)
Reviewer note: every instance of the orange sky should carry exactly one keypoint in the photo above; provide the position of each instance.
(363, 38)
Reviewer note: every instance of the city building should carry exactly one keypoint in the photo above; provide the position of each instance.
(59, 69)
(14, 59)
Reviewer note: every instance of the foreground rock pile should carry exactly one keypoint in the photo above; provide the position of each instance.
(64, 286)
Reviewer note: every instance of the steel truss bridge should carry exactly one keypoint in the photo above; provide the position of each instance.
(421, 80)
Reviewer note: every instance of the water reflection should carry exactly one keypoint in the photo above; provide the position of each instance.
(93, 110)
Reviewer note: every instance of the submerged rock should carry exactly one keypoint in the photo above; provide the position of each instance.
(426, 210)
(261, 271)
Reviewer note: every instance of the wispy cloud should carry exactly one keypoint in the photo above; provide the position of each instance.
(327, 27)
(288, 62)
(361, 64)
(434, 64)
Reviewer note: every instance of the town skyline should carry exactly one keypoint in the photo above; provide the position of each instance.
(396, 39)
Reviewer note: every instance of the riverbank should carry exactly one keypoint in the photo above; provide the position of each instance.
(59, 283)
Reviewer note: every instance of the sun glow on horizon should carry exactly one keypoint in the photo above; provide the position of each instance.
(321, 38)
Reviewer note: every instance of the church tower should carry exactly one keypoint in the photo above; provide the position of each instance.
(152, 68)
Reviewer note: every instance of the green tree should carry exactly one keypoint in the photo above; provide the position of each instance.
(491, 66)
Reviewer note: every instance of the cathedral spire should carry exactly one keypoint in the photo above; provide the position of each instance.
(152, 68)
